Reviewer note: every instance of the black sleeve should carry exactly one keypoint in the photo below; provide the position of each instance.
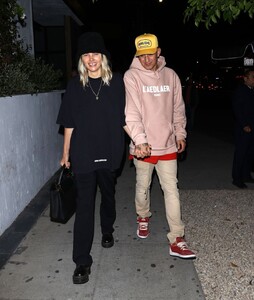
(121, 91)
(64, 117)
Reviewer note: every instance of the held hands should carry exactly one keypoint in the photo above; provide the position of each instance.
(142, 150)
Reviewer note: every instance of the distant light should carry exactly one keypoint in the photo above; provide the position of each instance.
(248, 61)
(160, 1)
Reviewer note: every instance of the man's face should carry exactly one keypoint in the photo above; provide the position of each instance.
(149, 61)
(249, 80)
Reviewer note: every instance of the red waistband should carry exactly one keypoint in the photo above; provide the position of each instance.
(155, 158)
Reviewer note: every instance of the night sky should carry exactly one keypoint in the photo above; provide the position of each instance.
(182, 44)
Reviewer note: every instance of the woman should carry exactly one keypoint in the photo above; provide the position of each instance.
(92, 114)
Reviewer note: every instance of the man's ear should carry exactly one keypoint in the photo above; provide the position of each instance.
(158, 52)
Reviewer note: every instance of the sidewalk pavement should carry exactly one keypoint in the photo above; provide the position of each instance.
(36, 254)
(41, 267)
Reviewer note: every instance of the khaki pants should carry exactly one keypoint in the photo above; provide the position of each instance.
(167, 174)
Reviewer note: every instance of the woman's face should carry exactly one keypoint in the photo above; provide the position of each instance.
(92, 62)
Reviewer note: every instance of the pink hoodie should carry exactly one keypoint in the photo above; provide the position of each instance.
(155, 110)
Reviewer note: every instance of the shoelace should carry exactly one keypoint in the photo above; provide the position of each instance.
(182, 245)
(143, 225)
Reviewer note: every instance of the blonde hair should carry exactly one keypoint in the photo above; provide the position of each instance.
(106, 71)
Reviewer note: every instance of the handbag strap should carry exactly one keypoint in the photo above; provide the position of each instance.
(61, 175)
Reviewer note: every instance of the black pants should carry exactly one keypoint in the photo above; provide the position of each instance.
(84, 218)
(243, 155)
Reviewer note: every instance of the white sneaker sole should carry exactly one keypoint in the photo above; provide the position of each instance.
(141, 236)
(181, 256)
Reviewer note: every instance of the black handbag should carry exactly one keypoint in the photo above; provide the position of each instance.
(63, 195)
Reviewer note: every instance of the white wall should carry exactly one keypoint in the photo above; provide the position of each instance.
(30, 150)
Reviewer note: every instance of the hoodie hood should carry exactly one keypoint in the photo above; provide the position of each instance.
(138, 66)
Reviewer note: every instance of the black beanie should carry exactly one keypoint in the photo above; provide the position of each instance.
(91, 42)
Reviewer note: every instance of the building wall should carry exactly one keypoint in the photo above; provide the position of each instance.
(30, 148)
(26, 32)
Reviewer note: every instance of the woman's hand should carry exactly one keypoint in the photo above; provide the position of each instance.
(143, 150)
(65, 161)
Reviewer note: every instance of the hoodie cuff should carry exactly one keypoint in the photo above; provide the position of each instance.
(140, 139)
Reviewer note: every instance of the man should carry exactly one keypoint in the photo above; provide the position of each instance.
(155, 120)
(243, 109)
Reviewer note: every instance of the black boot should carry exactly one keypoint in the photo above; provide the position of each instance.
(81, 274)
(107, 240)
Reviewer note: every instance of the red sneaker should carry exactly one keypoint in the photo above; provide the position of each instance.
(143, 229)
(180, 249)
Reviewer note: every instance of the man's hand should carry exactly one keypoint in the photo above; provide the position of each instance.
(181, 145)
(142, 150)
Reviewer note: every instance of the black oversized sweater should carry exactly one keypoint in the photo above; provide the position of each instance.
(98, 137)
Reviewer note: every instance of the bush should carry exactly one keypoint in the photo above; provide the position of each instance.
(20, 72)
(28, 76)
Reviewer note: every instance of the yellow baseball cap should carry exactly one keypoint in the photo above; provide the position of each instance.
(146, 44)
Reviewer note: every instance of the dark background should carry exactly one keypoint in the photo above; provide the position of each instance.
(185, 46)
